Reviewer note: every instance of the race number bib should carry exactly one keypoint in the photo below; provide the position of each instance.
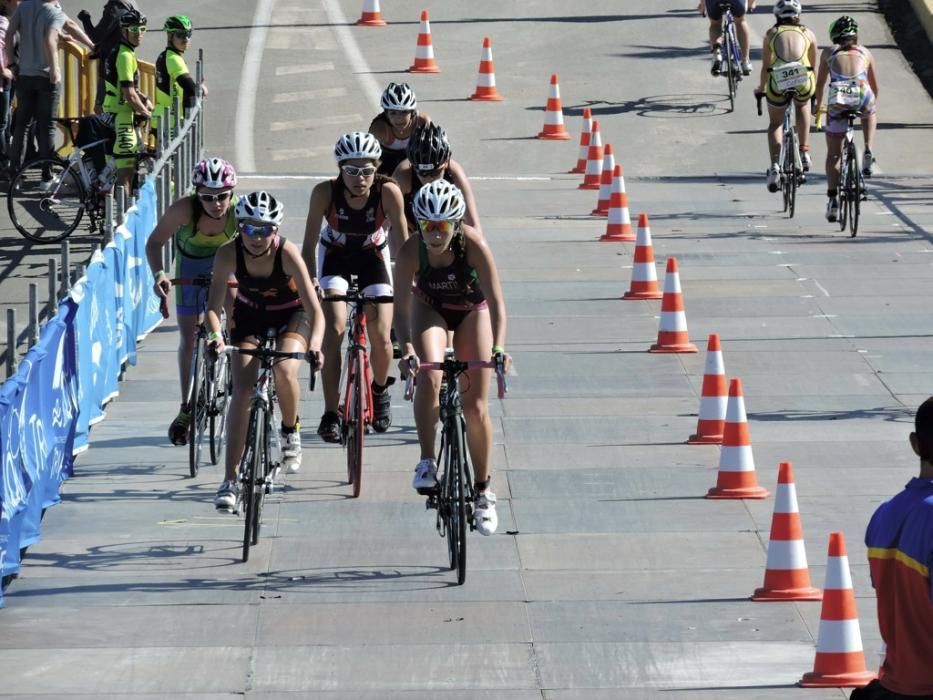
(790, 76)
(845, 93)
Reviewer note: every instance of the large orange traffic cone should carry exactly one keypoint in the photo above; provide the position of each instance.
(786, 574)
(372, 16)
(424, 50)
(672, 329)
(486, 79)
(619, 226)
(554, 128)
(605, 182)
(644, 284)
(713, 397)
(580, 167)
(594, 160)
(736, 477)
(840, 660)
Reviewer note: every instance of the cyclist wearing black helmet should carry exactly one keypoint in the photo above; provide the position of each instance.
(122, 96)
(429, 160)
(846, 64)
(173, 79)
(394, 126)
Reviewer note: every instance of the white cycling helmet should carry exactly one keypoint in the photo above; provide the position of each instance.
(260, 206)
(399, 97)
(787, 9)
(214, 172)
(439, 201)
(359, 145)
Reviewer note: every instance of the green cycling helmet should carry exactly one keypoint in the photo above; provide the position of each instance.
(843, 27)
(178, 23)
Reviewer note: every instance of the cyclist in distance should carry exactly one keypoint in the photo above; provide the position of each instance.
(396, 123)
(357, 208)
(122, 97)
(739, 8)
(173, 79)
(429, 160)
(787, 42)
(199, 224)
(447, 281)
(274, 292)
(849, 62)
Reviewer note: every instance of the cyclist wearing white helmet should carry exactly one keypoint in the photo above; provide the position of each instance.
(429, 160)
(274, 293)
(447, 281)
(787, 43)
(396, 123)
(846, 64)
(363, 222)
(199, 224)
(711, 8)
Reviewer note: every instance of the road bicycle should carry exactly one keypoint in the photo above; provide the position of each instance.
(731, 53)
(356, 410)
(48, 197)
(851, 182)
(788, 78)
(210, 385)
(262, 453)
(453, 497)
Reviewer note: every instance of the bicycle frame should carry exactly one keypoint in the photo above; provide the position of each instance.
(356, 345)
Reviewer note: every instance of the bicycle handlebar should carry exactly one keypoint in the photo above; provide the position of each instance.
(269, 354)
(496, 363)
(202, 282)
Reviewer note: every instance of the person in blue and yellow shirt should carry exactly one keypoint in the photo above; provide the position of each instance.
(173, 79)
(900, 553)
(122, 97)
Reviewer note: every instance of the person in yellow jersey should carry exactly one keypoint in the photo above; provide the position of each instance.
(173, 79)
(790, 46)
(122, 97)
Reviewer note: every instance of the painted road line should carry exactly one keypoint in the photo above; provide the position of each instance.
(304, 68)
(249, 82)
(371, 89)
(315, 121)
(305, 95)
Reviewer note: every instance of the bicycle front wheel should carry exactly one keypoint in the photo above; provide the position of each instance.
(223, 387)
(356, 429)
(454, 471)
(46, 200)
(197, 408)
(855, 188)
(248, 477)
(731, 77)
(844, 185)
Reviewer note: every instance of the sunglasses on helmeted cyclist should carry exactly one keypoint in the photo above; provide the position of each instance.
(141, 29)
(219, 197)
(442, 226)
(254, 230)
(354, 171)
(182, 35)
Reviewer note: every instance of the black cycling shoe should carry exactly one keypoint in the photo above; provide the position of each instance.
(329, 429)
(178, 430)
(382, 411)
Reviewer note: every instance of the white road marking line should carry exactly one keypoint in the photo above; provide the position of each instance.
(358, 65)
(820, 287)
(304, 68)
(304, 95)
(294, 153)
(315, 121)
(249, 82)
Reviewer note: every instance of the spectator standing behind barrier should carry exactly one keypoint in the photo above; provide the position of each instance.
(123, 99)
(106, 37)
(7, 8)
(900, 553)
(173, 79)
(40, 24)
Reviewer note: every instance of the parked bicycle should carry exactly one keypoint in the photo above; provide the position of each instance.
(453, 497)
(210, 386)
(787, 78)
(356, 410)
(262, 454)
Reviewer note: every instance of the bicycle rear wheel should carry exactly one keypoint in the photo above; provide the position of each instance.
(46, 200)
(456, 500)
(855, 187)
(730, 68)
(844, 190)
(248, 478)
(197, 408)
(356, 429)
(223, 387)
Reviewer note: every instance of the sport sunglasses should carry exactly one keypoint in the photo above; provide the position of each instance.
(442, 226)
(253, 230)
(219, 197)
(354, 171)
(141, 29)
(183, 35)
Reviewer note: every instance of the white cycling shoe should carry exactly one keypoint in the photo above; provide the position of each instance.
(832, 209)
(774, 178)
(484, 513)
(291, 452)
(425, 476)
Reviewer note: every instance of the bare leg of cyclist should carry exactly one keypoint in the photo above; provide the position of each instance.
(803, 124)
(869, 126)
(715, 45)
(775, 134)
(187, 328)
(744, 36)
(378, 323)
(245, 371)
(286, 380)
(335, 316)
(473, 341)
(833, 160)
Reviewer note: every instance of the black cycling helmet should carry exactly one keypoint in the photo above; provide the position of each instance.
(133, 18)
(843, 27)
(428, 148)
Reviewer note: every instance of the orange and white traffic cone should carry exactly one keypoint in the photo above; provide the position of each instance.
(840, 660)
(594, 160)
(713, 397)
(486, 79)
(672, 329)
(372, 15)
(554, 128)
(736, 477)
(580, 167)
(786, 574)
(619, 226)
(644, 284)
(424, 50)
(605, 183)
